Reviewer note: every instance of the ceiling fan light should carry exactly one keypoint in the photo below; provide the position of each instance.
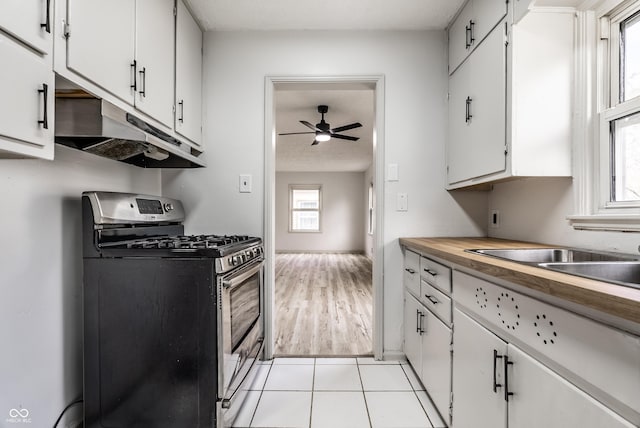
(323, 136)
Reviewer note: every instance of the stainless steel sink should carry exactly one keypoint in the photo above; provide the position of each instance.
(623, 273)
(623, 269)
(552, 255)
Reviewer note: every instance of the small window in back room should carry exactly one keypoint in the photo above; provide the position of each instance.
(305, 205)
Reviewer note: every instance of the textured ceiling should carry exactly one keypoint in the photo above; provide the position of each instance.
(324, 15)
(295, 152)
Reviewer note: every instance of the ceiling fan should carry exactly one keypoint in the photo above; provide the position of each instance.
(323, 130)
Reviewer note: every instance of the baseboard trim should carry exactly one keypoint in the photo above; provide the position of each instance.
(394, 356)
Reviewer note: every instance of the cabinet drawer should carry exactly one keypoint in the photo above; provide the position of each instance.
(436, 274)
(437, 301)
(412, 272)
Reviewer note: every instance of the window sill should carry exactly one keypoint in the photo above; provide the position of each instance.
(613, 223)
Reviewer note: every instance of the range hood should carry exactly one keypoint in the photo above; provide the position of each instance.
(96, 126)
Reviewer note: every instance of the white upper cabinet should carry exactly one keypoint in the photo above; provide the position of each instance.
(30, 21)
(154, 56)
(188, 118)
(26, 104)
(471, 26)
(100, 44)
(477, 103)
(509, 107)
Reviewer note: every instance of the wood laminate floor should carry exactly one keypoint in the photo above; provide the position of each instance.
(323, 305)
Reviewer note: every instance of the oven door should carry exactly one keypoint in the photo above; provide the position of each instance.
(240, 339)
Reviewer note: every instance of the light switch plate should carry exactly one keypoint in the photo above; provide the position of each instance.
(401, 202)
(245, 183)
(392, 172)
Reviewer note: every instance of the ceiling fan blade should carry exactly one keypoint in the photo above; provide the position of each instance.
(296, 133)
(346, 127)
(344, 137)
(315, 143)
(308, 125)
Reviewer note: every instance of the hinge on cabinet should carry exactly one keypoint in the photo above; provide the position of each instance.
(506, 149)
(173, 109)
(66, 29)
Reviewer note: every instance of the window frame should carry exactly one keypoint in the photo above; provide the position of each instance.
(292, 188)
(597, 99)
(612, 108)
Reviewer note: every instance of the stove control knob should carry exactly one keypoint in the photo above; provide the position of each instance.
(230, 261)
(168, 207)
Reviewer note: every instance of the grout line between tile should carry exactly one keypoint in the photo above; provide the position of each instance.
(313, 386)
(364, 397)
(253, 415)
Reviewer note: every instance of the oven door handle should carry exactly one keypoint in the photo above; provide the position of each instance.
(239, 277)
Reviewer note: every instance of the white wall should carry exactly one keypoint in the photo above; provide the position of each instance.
(414, 66)
(535, 209)
(342, 228)
(41, 275)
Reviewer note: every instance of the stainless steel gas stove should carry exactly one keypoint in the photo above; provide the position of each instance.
(173, 324)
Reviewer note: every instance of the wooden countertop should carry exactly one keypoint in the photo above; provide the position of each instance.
(617, 300)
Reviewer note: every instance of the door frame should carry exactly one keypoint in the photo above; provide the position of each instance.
(376, 82)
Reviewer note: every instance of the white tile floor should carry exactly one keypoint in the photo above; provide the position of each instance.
(337, 392)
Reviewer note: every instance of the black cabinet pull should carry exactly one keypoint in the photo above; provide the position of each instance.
(431, 299)
(143, 85)
(47, 22)
(134, 66)
(507, 393)
(421, 323)
(431, 272)
(467, 112)
(468, 35)
(411, 271)
(45, 91)
(181, 117)
(496, 357)
(417, 321)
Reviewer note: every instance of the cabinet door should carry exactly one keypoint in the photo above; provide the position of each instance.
(475, 404)
(188, 76)
(541, 398)
(30, 21)
(436, 362)
(100, 46)
(459, 38)
(486, 15)
(155, 41)
(459, 126)
(25, 105)
(413, 322)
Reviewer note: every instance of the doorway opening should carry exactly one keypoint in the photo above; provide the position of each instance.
(323, 279)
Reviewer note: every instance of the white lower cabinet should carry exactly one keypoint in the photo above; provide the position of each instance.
(542, 398)
(427, 345)
(496, 384)
(436, 362)
(413, 313)
(478, 401)
(26, 105)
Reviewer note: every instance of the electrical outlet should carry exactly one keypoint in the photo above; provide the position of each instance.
(245, 183)
(494, 219)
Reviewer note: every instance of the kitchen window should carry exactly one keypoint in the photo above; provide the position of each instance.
(611, 190)
(305, 207)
